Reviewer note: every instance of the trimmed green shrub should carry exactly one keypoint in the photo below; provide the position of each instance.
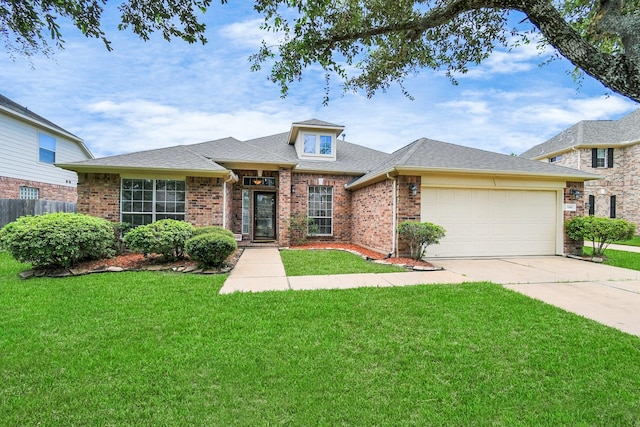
(213, 229)
(301, 227)
(419, 235)
(601, 231)
(58, 240)
(166, 237)
(211, 249)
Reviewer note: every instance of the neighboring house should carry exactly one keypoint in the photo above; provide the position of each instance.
(490, 204)
(609, 148)
(31, 145)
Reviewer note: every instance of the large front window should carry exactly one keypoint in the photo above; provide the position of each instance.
(321, 209)
(147, 200)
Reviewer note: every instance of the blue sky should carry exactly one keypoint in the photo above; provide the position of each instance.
(153, 94)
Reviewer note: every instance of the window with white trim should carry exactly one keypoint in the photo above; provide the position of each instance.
(144, 201)
(245, 211)
(321, 209)
(601, 157)
(29, 193)
(47, 149)
(555, 159)
(318, 144)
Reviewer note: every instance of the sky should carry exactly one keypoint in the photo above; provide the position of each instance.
(153, 94)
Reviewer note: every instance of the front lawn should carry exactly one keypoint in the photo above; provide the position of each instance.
(624, 259)
(299, 262)
(634, 241)
(143, 348)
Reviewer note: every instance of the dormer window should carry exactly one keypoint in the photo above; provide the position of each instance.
(318, 144)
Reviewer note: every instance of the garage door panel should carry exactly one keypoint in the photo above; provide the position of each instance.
(484, 222)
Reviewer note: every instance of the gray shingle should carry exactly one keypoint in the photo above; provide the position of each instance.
(594, 133)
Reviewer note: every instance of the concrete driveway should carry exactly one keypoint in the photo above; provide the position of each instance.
(609, 295)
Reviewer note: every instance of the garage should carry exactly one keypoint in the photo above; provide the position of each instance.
(493, 222)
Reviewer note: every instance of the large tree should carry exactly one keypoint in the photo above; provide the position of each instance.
(370, 44)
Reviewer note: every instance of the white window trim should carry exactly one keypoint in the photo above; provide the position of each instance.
(154, 213)
(316, 154)
(321, 217)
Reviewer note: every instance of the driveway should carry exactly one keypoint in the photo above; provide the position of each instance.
(609, 295)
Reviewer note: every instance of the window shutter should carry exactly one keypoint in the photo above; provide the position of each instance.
(592, 204)
(610, 159)
(594, 157)
(612, 207)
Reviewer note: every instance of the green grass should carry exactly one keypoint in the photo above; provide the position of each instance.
(150, 349)
(624, 259)
(322, 262)
(634, 241)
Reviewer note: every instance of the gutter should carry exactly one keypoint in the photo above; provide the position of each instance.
(232, 178)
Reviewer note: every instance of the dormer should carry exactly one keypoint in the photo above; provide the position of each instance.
(315, 139)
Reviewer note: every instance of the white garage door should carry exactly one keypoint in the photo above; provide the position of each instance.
(483, 222)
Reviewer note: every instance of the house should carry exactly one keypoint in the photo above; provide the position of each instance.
(490, 204)
(608, 148)
(31, 145)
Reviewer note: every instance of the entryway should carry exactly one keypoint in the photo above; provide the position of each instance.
(264, 216)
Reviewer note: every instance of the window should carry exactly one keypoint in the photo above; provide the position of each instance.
(318, 144)
(592, 204)
(250, 181)
(555, 159)
(602, 157)
(245, 211)
(147, 200)
(612, 207)
(321, 209)
(29, 193)
(47, 149)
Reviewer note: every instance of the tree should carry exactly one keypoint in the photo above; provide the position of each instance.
(419, 235)
(601, 231)
(370, 44)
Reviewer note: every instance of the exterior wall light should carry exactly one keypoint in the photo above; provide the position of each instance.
(293, 189)
(413, 189)
(576, 194)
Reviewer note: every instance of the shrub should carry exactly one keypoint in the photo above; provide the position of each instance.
(166, 237)
(211, 249)
(213, 229)
(58, 240)
(601, 231)
(419, 235)
(300, 227)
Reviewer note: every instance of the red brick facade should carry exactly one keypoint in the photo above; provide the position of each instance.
(99, 195)
(573, 247)
(204, 201)
(373, 218)
(10, 189)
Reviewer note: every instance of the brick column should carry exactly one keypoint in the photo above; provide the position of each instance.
(573, 247)
(284, 205)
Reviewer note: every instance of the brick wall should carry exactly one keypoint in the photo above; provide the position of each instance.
(284, 205)
(573, 247)
(99, 195)
(373, 216)
(10, 189)
(204, 201)
(409, 208)
(342, 218)
(235, 218)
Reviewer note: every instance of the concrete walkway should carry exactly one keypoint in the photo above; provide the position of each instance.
(609, 295)
(260, 270)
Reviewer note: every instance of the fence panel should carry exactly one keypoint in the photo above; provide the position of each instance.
(12, 209)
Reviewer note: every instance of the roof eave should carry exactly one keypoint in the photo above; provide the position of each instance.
(138, 170)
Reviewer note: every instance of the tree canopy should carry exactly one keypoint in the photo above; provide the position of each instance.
(370, 44)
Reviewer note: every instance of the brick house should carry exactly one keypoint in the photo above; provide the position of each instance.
(31, 145)
(489, 203)
(608, 148)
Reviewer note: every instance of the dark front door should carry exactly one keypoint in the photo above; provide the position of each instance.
(264, 216)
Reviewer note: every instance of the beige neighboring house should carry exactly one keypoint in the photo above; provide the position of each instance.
(490, 204)
(31, 146)
(609, 148)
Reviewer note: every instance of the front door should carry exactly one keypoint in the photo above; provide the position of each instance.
(264, 216)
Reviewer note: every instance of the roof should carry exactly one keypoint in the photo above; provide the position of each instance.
(590, 133)
(428, 155)
(219, 157)
(17, 110)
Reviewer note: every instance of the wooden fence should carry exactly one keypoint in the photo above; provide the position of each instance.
(12, 209)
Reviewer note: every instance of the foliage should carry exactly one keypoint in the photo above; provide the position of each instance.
(601, 231)
(623, 259)
(166, 237)
(119, 230)
(210, 249)
(58, 240)
(300, 227)
(213, 229)
(419, 235)
(369, 44)
(361, 357)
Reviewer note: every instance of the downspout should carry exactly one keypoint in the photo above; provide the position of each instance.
(232, 178)
(394, 217)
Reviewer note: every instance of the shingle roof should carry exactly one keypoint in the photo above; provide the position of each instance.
(431, 155)
(595, 133)
(17, 108)
(316, 122)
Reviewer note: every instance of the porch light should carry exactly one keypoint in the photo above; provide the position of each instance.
(413, 189)
(293, 189)
(257, 181)
(576, 194)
